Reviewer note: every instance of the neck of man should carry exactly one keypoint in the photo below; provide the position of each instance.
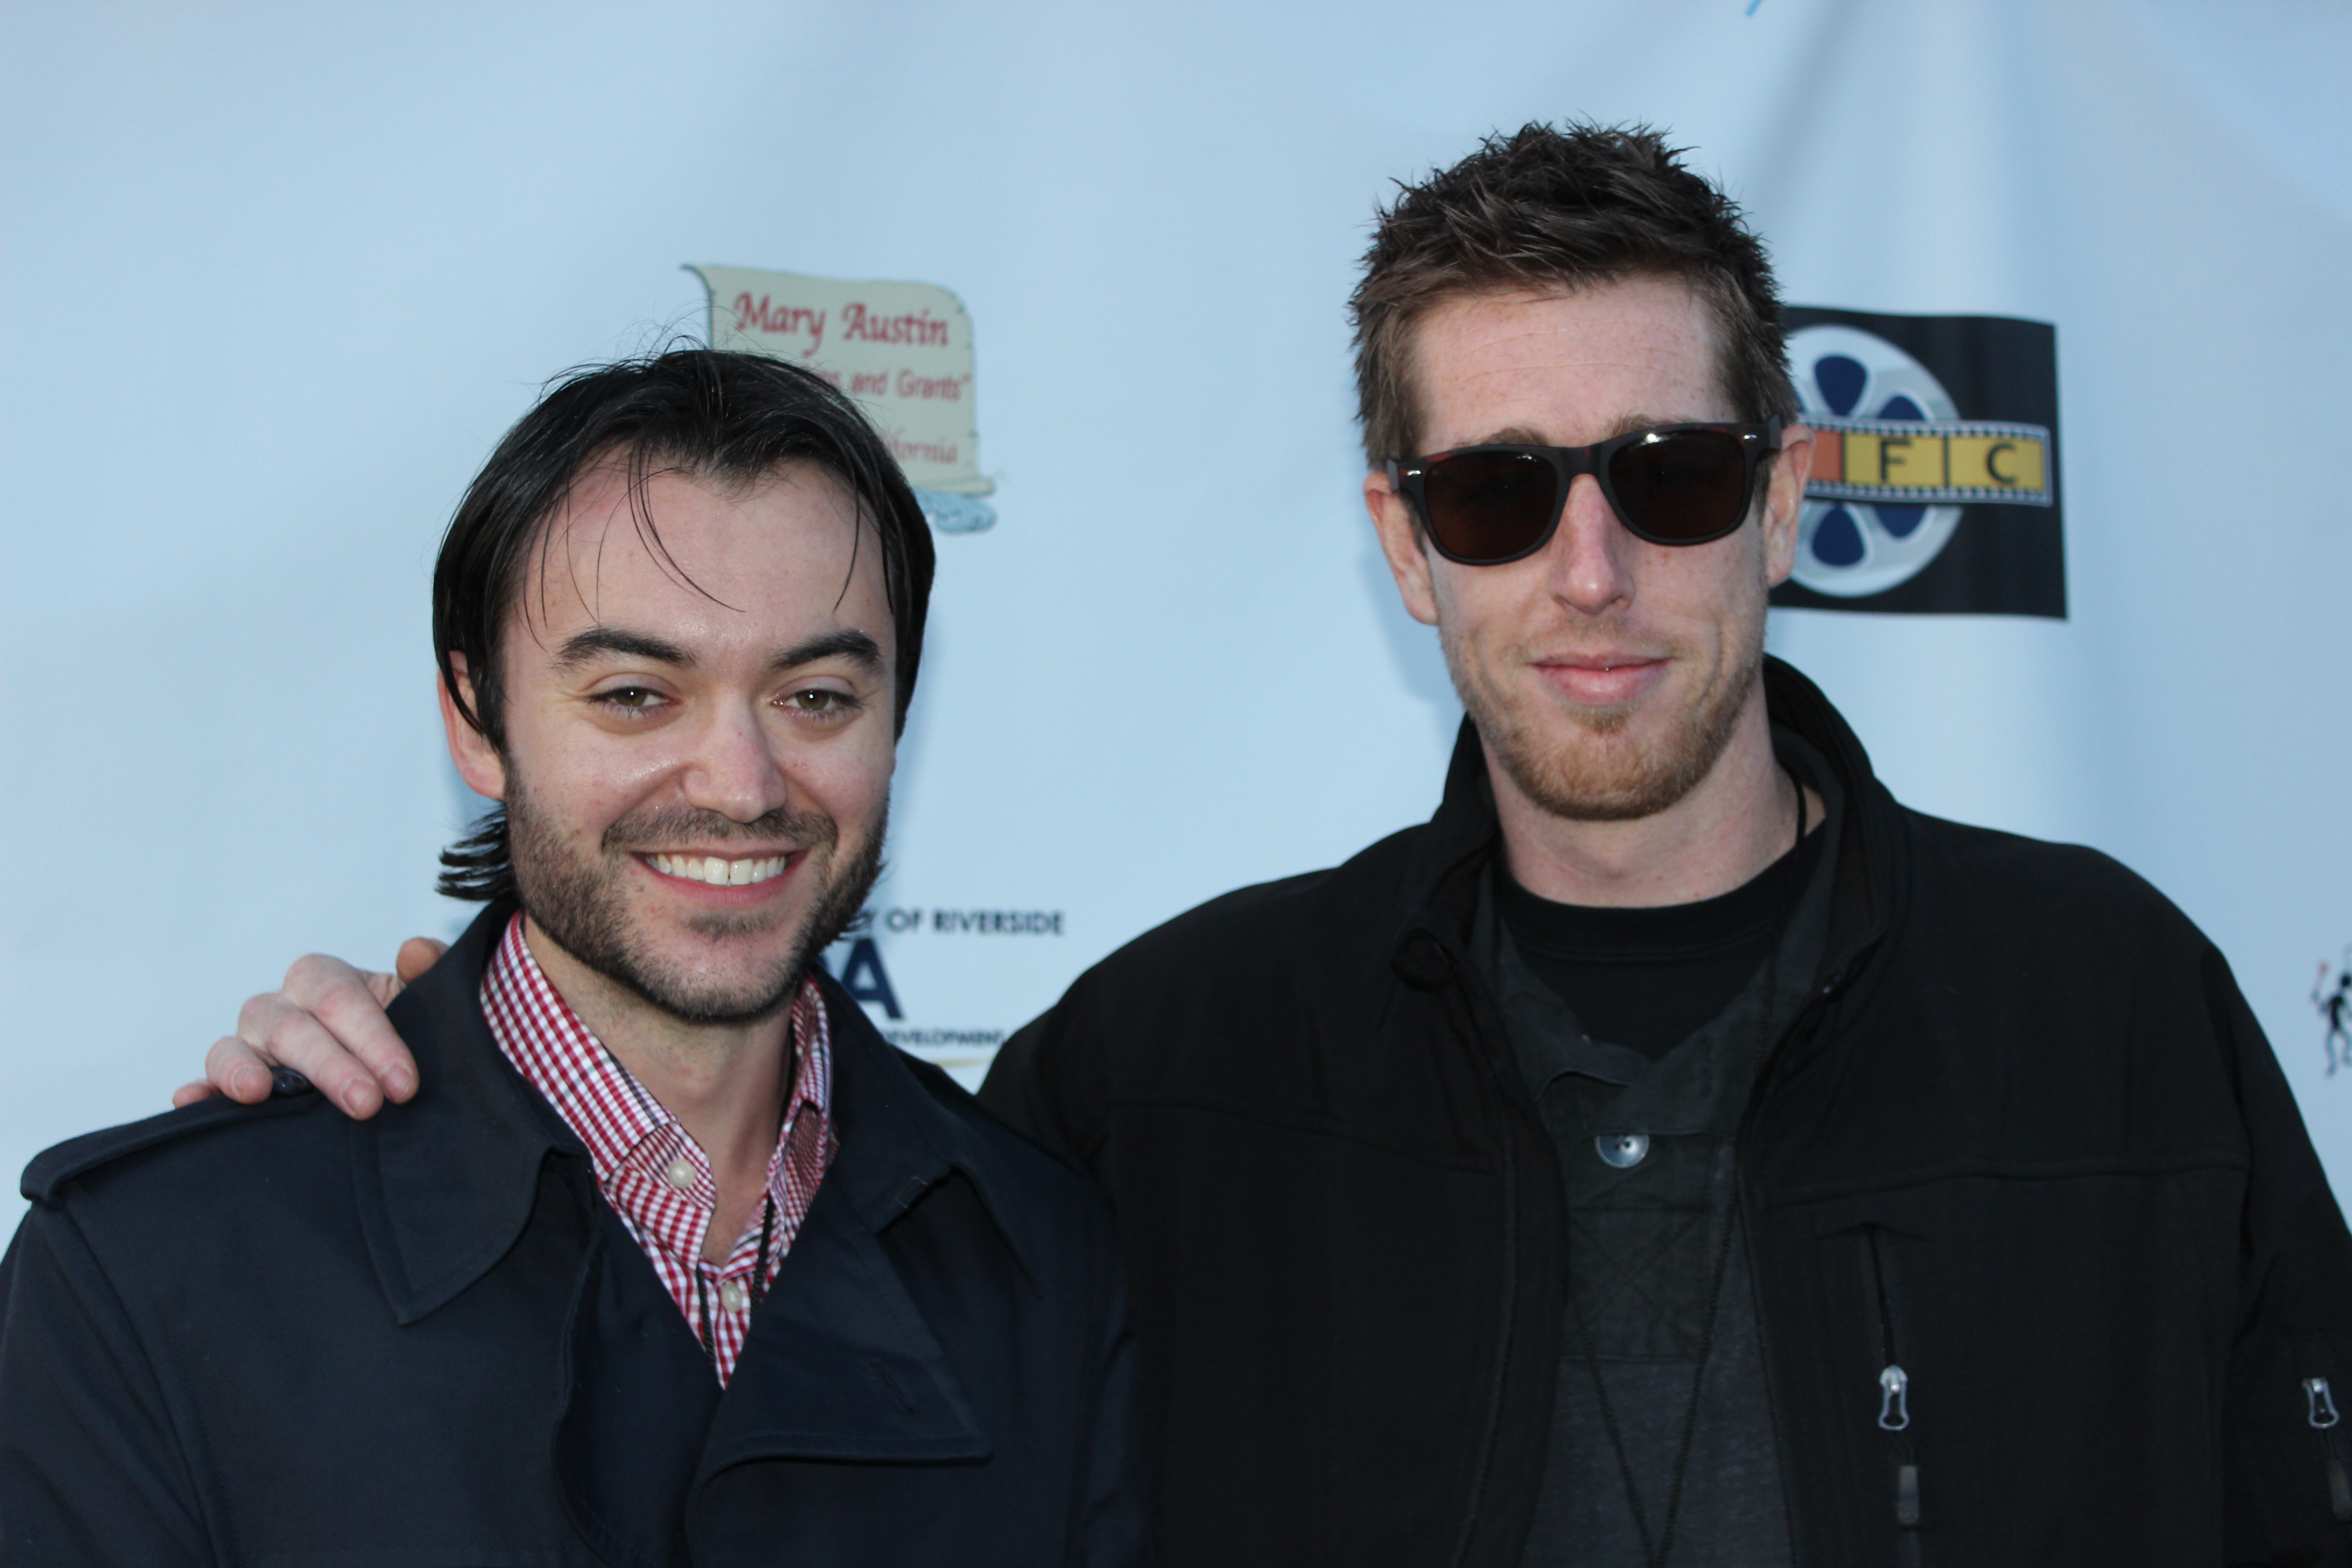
(724, 1082)
(1738, 819)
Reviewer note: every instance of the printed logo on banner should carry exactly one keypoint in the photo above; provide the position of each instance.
(1934, 480)
(903, 350)
(2331, 993)
(929, 977)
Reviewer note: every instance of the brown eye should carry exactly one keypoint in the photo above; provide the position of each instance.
(821, 702)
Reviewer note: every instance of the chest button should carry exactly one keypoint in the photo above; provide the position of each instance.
(1622, 1150)
(733, 1297)
(679, 1173)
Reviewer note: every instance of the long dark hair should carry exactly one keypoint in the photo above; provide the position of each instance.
(729, 418)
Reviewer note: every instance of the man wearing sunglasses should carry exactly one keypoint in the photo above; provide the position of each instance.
(1676, 1151)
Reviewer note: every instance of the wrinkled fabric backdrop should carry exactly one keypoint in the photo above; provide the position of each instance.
(276, 277)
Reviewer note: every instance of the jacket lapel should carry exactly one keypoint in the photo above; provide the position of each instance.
(447, 1182)
(636, 1410)
(840, 1363)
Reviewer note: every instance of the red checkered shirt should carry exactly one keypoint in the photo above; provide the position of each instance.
(655, 1176)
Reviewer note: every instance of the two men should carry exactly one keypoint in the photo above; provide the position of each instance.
(1676, 1151)
(672, 1258)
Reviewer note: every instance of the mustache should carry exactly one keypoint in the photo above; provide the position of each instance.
(782, 828)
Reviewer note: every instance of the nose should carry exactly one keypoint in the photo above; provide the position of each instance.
(734, 767)
(1587, 556)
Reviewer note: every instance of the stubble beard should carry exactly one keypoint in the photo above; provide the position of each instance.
(1581, 764)
(580, 905)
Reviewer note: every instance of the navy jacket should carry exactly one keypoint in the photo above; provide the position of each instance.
(275, 1336)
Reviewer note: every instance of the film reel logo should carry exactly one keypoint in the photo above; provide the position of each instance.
(1895, 465)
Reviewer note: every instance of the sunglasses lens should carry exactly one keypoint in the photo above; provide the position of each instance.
(1490, 506)
(1681, 487)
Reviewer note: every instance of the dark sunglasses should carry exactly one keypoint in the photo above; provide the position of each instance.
(1671, 484)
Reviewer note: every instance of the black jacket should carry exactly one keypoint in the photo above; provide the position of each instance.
(2026, 1142)
(276, 1336)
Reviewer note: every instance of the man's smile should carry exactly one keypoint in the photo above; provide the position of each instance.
(721, 871)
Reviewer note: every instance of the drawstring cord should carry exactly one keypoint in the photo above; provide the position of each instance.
(759, 1279)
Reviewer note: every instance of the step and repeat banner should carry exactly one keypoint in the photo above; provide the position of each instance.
(2067, 307)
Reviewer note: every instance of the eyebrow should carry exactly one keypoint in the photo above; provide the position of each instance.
(848, 643)
(604, 642)
(616, 642)
(1515, 436)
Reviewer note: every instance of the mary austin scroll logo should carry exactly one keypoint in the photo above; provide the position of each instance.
(1935, 481)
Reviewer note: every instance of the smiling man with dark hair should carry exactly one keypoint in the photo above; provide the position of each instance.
(1675, 1152)
(671, 1258)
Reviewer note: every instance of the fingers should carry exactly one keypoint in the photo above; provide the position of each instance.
(231, 1068)
(417, 954)
(328, 1025)
(189, 1094)
(271, 1030)
(341, 1036)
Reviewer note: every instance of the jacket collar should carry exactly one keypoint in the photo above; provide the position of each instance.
(1873, 860)
(1466, 833)
(898, 1137)
(447, 1181)
(840, 1362)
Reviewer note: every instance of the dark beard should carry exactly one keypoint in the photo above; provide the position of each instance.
(579, 906)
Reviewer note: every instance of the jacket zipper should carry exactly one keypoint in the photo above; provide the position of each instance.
(2326, 1424)
(1894, 1400)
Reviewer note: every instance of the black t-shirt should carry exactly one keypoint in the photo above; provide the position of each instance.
(1639, 1033)
(1646, 978)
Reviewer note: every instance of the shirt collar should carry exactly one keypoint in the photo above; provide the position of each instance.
(447, 1181)
(598, 1098)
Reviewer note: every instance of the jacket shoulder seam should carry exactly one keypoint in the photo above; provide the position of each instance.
(54, 1168)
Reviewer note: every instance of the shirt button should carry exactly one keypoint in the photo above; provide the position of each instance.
(680, 1174)
(1622, 1150)
(732, 1296)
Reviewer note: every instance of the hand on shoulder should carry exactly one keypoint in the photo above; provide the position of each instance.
(327, 1022)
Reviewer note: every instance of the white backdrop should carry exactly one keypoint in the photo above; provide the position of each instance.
(274, 277)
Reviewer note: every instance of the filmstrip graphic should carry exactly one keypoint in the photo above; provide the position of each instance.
(1894, 464)
(1933, 484)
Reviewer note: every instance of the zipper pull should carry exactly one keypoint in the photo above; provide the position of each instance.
(2324, 1419)
(1894, 1401)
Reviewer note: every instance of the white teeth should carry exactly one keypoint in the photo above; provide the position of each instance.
(718, 872)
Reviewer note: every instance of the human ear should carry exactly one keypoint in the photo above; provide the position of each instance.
(1401, 541)
(1784, 502)
(478, 762)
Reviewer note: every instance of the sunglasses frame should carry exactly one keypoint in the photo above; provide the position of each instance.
(1757, 442)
